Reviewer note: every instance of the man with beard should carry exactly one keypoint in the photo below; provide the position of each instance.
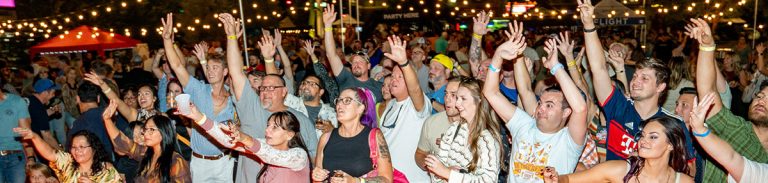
(309, 103)
(437, 124)
(748, 138)
(358, 76)
(439, 70)
(254, 108)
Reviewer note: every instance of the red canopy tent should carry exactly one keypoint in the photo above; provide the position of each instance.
(83, 38)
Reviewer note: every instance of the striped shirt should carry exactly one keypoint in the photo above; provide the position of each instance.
(454, 152)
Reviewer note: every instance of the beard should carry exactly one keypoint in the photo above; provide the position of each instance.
(760, 120)
(306, 96)
(357, 73)
(266, 104)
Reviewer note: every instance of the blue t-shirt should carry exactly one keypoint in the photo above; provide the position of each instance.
(624, 124)
(201, 97)
(438, 96)
(91, 121)
(510, 93)
(12, 109)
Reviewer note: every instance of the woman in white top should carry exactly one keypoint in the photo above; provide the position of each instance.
(662, 158)
(470, 150)
(740, 169)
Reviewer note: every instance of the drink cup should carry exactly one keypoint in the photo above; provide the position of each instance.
(182, 103)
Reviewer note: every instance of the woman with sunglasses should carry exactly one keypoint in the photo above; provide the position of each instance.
(283, 150)
(662, 158)
(158, 160)
(86, 161)
(346, 150)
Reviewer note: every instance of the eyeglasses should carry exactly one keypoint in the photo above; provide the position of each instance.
(759, 96)
(269, 88)
(79, 148)
(148, 131)
(345, 101)
(310, 83)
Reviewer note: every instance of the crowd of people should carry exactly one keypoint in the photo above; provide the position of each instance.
(509, 105)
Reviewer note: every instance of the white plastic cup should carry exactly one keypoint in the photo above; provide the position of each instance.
(182, 103)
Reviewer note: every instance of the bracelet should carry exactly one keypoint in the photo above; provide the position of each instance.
(269, 60)
(405, 64)
(571, 63)
(232, 37)
(493, 68)
(556, 67)
(107, 90)
(362, 180)
(590, 30)
(203, 62)
(705, 134)
(328, 29)
(202, 120)
(315, 61)
(708, 48)
(477, 36)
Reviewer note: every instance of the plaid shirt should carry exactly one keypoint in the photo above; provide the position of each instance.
(740, 135)
(589, 156)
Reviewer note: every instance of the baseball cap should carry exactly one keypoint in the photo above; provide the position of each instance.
(442, 59)
(45, 85)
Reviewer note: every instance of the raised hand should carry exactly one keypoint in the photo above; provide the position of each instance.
(267, 47)
(480, 25)
(587, 10)
(565, 44)
(167, 27)
(93, 78)
(232, 131)
(231, 25)
(616, 58)
(515, 30)
(329, 15)
(398, 50)
(513, 47)
(550, 46)
(109, 111)
(699, 29)
(200, 50)
(309, 47)
(278, 38)
(25, 133)
(699, 112)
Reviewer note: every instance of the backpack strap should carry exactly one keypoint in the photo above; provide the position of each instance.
(372, 147)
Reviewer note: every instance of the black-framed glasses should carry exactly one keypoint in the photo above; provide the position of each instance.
(269, 88)
(345, 101)
(310, 83)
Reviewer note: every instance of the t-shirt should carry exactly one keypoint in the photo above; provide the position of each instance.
(11, 111)
(401, 125)
(534, 150)
(753, 172)
(422, 74)
(201, 97)
(624, 123)
(438, 96)
(510, 93)
(253, 121)
(433, 129)
(347, 80)
(38, 115)
(91, 121)
(312, 112)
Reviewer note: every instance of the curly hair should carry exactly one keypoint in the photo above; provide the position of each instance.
(100, 156)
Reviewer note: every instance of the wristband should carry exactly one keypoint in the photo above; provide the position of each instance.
(708, 48)
(493, 68)
(477, 36)
(232, 37)
(269, 60)
(107, 90)
(556, 67)
(571, 63)
(329, 29)
(362, 180)
(705, 134)
(203, 62)
(405, 64)
(315, 61)
(590, 30)
(202, 120)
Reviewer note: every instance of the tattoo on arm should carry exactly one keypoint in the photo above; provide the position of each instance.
(474, 51)
(383, 148)
(378, 179)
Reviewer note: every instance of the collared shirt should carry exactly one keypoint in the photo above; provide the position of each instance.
(740, 135)
(326, 111)
(204, 102)
(12, 109)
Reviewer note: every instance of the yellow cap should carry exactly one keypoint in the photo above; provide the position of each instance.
(445, 60)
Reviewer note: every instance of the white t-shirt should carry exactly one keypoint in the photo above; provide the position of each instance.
(401, 125)
(753, 172)
(534, 150)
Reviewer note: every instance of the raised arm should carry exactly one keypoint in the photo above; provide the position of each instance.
(43, 148)
(174, 61)
(284, 59)
(331, 87)
(527, 99)
(267, 47)
(128, 112)
(109, 125)
(200, 51)
(509, 50)
(760, 49)
(705, 65)
(717, 148)
(577, 123)
(156, 69)
(479, 28)
(234, 60)
(409, 73)
(329, 15)
(617, 60)
(595, 55)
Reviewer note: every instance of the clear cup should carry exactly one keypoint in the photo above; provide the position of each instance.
(182, 103)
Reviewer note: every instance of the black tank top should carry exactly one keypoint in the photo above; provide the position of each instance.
(351, 155)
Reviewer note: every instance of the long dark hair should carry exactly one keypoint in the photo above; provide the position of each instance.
(167, 147)
(287, 121)
(100, 156)
(675, 136)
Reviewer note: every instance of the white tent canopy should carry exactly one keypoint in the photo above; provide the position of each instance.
(614, 8)
(347, 20)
